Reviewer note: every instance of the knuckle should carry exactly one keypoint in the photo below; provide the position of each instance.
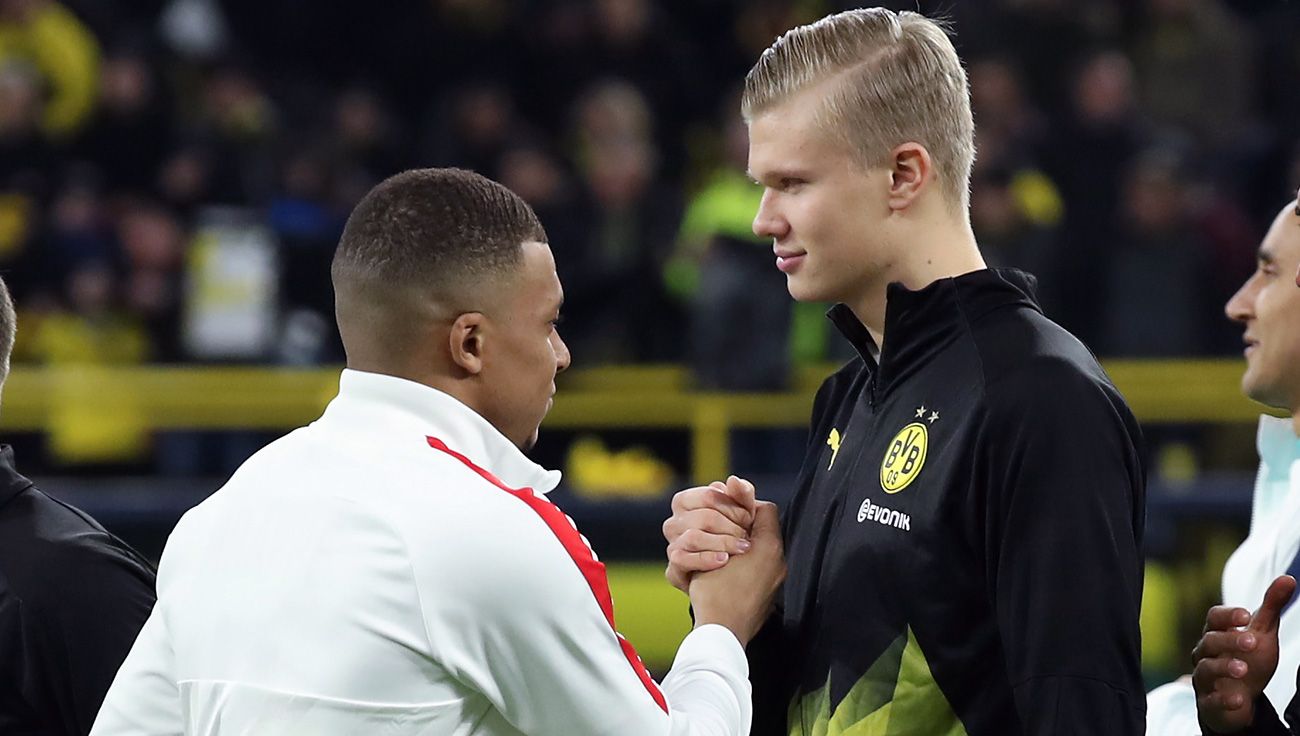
(669, 528)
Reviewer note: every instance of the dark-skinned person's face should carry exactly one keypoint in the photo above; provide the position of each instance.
(524, 352)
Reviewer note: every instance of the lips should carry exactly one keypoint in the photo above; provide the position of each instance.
(787, 260)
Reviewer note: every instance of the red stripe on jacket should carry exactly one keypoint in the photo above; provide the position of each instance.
(593, 571)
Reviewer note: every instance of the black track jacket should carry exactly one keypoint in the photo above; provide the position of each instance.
(965, 541)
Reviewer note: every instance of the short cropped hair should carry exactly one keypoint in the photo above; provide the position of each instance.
(899, 80)
(437, 233)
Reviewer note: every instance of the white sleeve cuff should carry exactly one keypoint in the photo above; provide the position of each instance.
(708, 687)
(1171, 711)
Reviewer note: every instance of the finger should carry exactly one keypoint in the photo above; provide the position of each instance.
(691, 498)
(688, 563)
(678, 578)
(742, 491)
(1224, 643)
(1221, 701)
(706, 520)
(1222, 618)
(698, 540)
(709, 497)
(1275, 599)
(1212, 673)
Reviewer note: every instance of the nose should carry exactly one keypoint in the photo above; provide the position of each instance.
(768, 221)
(1240, 307)
(562, 356)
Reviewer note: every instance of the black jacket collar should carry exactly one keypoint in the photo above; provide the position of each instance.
(919, 323)
(11, 482)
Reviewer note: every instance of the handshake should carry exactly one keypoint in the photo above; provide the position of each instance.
(725, 552)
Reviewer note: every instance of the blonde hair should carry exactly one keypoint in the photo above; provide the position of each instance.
(899, 79)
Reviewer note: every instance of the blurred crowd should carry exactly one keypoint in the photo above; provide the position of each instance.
(174, 174)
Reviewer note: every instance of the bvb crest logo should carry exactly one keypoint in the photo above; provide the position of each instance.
(904, 458)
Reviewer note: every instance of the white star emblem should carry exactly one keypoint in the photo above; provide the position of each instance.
(920, 412)
(934, 416)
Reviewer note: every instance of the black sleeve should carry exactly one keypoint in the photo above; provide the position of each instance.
(1266, 721)
(79, 627)
(16, 715)
(769, 673)
(1060, 459)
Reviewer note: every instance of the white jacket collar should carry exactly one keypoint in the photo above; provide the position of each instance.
(1277, 443)
(406, 406)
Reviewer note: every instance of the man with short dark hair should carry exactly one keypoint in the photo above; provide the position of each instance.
(1237, 679)
(395, 567)
(72, 598)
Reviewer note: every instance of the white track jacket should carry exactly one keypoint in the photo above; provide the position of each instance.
(395, 568)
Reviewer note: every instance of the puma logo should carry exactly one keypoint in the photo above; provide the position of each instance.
(833, 441)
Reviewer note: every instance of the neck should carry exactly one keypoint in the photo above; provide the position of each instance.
(443, 381)
(926, 252)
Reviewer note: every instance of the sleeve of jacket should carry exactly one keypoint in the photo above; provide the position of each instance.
(1063, 535)
(520, 622)
(1266, 722)
(79, 627)
(144, 697)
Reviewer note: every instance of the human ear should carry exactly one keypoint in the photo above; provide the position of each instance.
(466, 342)
(911, 170)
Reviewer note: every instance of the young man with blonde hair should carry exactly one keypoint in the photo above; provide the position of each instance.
(964, 541)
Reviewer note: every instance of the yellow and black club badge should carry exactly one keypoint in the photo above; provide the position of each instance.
(904, 458)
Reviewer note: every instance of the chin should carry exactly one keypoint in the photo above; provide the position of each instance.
(1259, 392)
(803, 291)
(529, 442)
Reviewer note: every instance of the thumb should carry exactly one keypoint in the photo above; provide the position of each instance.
(1276, 597)
(766, 520)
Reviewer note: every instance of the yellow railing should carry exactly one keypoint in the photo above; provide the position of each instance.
(170, 397)
(650, 613)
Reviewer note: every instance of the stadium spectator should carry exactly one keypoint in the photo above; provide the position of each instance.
(64, 53)
(1143, 316)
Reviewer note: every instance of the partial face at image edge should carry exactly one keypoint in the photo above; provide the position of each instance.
(1268, 307)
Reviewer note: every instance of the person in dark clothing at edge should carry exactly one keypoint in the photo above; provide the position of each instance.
(1238, 652)
(72, 599)
(965, 540)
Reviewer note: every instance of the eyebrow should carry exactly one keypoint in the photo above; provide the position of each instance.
(778, 173)
(1265, 256)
